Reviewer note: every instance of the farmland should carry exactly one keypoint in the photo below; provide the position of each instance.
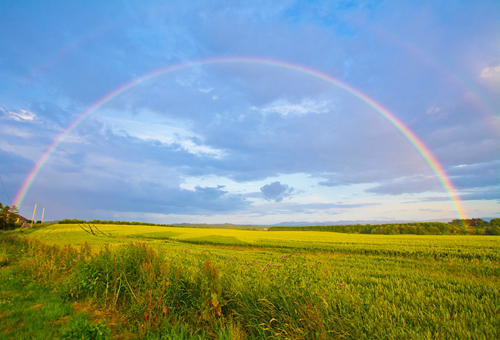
(243, 284)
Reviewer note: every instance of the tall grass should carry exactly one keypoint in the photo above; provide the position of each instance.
(227, 294)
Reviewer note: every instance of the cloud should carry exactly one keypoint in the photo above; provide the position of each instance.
(491, 193)
(463, 177)
(434, 110)
(20, 116)
(429, 210)
(407, 185)
(276, 191)
(52, 112)
(307, 106)
(481, 194)
(123, 195)
(491, 72)
(267, 122)
(311, 207)
(475, 175)
(288, 208)
(13, 163)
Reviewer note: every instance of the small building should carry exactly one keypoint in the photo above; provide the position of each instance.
(21, 219)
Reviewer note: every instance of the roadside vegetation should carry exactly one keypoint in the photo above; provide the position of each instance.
(147, 282)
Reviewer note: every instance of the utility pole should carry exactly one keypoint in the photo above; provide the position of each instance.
(34, 211)
(43, 212)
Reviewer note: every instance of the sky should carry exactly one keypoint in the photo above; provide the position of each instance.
(250, 112)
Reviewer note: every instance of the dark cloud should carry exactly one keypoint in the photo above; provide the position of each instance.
(276, 191)
(490, 193)
(487, 194)
(475, 175)
(121, 195)
(411, 185)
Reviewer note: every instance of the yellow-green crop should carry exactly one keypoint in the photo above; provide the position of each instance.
(214, 283)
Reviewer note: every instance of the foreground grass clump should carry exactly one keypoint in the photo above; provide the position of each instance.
(30, 310)
(167, 289)
(207, 295)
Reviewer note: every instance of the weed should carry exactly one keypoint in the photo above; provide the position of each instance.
(80, 327)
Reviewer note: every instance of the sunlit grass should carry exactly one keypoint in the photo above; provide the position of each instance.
(484, 247)
(200, 283)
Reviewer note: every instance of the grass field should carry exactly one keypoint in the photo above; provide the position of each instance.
(236, 284)
(485, 247)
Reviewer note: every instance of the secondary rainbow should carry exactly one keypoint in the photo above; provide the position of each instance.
(412, 138)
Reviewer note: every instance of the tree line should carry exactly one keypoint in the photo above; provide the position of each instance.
(475, 226)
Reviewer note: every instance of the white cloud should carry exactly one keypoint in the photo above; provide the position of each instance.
(19, 116)
(206, 90)
(491, 72)
(284, 107)
(195, 149)
(433, 110)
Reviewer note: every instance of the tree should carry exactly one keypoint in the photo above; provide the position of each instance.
(495, 222)
(8, 216)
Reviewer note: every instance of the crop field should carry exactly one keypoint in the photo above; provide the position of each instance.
(193, 283)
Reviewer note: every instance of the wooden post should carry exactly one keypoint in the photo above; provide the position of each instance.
(43, 212)
(34, 211)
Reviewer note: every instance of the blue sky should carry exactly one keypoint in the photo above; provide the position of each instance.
(248, 142)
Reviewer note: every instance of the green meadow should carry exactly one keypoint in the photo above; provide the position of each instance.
(151, 282)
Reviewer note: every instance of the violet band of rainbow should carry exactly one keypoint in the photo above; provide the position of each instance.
(410, 136)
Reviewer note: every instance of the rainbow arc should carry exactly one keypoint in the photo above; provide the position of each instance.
(410, 136)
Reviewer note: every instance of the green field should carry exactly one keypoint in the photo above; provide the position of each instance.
(167, 282)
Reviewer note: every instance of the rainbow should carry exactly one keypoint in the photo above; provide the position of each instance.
(412, 138)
